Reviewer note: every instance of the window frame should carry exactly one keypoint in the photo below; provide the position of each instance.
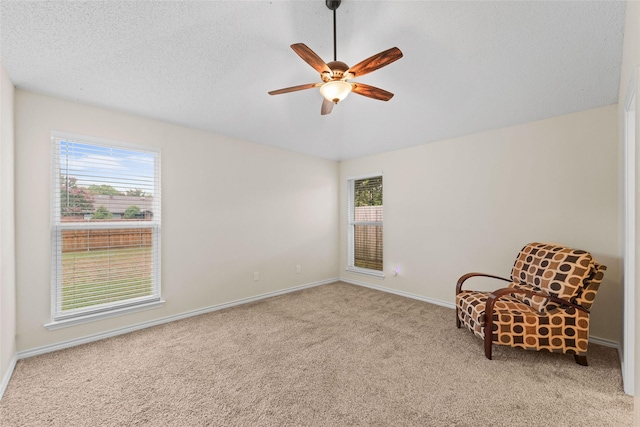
(58, 317)
(351, 223)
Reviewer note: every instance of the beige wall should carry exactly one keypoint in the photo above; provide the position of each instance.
(229, 208)
(470, 204)
(466, 204)
(631, 61)
(7, 241)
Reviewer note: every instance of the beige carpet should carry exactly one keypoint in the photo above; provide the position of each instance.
(334, 355)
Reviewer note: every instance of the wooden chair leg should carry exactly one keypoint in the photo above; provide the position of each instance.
(488, 341)
(581, 360)
(488, 329)
(457, 319)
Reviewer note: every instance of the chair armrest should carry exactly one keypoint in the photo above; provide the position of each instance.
(462, 279)
(495, 295)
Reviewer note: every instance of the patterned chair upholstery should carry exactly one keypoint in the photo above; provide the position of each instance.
(544, 307)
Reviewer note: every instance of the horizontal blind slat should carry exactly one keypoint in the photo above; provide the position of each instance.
(96, 189)
(366, 215)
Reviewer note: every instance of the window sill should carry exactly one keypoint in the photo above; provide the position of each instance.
(73, 321)
(366, 271)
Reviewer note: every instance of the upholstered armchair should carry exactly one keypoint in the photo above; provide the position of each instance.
(545, 305)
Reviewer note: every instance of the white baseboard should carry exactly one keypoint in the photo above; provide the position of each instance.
(592, 339)
(401, 293)
(115, 332)
(605, 342)
(7, 376)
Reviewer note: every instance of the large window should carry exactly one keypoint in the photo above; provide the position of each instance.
(365, 225)
(105, 228)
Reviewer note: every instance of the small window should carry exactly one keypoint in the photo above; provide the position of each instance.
(105, 227)
(365, 225)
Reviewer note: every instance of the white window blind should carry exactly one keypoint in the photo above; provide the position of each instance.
(105, 226)
(365, 219)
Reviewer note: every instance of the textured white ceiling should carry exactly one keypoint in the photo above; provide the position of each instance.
(467, 66)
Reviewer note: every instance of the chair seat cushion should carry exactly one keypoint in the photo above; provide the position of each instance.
(472, 303)
(516, 324)
(536, 302)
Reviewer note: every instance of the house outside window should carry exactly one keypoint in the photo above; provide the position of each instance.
(105, 228)
(365, 225)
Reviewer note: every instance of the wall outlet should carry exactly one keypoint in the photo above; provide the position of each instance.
(298, 269)
(256, 276)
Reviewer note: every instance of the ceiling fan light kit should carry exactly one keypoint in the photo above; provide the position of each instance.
(335, 74)
(335, 90)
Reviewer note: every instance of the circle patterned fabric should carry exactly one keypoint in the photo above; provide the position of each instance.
(536, 323)
(551, 269)
(516, 324)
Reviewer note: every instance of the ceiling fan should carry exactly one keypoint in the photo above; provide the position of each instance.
(334, 86)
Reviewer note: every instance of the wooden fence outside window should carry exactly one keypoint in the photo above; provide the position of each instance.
(88, 240)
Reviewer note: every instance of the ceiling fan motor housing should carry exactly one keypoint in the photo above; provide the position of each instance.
(337, 68)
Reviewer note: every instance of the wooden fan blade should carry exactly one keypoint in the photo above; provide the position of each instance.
(294, 88)
(311, 58)
(376, 61)
(327, 106)
(371, 91)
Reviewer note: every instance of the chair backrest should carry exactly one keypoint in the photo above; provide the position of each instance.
(556, 270)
